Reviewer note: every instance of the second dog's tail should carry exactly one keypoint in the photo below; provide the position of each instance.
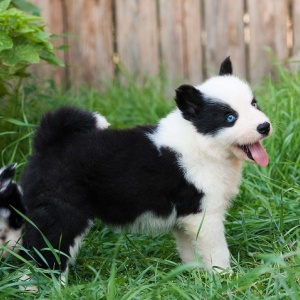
(58, 125)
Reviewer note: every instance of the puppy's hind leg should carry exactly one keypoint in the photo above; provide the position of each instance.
(58, 238)
(73, 252)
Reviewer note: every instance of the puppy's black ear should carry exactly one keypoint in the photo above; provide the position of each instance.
(6, 176)
(188, 100)
(226, 67)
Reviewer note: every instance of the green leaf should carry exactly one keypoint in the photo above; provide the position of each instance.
(63, 47)
(26, 29)
(51, 58)
(7, 132)
(44, 35)
(4, 5)
(4, 74)
(5, 41)
(11, 12)
(26, 6)
(17, 122)
(29, 52)
(9, 57)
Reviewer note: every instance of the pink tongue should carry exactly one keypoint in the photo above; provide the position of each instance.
(259, 154)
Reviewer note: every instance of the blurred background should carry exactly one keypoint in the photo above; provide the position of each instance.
(184, 39)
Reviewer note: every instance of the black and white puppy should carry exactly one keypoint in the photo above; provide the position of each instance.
(11, 223)
(178, 175)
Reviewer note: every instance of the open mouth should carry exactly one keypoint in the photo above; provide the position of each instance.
(256, 153)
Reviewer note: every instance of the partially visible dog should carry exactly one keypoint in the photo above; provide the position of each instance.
(11, 223)
(178, 175)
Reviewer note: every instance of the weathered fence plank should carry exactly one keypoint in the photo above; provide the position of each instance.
(180, 40)
(268, 24)
(171, 38)
(225, 35)
(137, 36)
(296, 27)
(192, 48)
(51, 11)
(91, 41)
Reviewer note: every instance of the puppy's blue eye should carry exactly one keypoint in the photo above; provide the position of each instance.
(231, 118)
(254, 103)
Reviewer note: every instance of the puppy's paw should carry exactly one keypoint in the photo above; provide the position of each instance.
(228, 271)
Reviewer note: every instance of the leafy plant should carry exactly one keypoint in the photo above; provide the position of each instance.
(23, 42)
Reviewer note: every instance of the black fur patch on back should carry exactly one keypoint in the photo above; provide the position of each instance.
(119, 175)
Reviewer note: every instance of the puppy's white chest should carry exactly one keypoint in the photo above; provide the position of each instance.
(218, 182)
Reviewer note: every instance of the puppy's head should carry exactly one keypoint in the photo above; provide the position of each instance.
(225, 111)
(11, 222)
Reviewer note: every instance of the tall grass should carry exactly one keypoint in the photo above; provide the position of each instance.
(262, 226)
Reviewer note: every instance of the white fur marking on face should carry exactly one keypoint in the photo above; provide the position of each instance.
(5, 184)
(13, 238)
(9, 237)
(228, 89)
(101, 122)
(4, 213)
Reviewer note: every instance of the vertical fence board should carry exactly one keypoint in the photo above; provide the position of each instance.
(137, 36)
(91, 41)
(192, 51)
(171, 39)
(225, 35)
(296, 27)
(51, 12)
(268, 21)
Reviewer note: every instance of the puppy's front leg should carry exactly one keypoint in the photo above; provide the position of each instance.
(206, 233)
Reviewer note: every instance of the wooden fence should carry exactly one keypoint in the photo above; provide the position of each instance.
(188, 38)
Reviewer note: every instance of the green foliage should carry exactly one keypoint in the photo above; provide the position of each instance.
(23, 41)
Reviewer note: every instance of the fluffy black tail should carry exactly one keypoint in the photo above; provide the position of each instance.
(56, 126)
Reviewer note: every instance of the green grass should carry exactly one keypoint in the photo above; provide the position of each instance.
(262, 226)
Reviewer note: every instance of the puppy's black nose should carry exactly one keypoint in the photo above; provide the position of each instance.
(264, 128)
